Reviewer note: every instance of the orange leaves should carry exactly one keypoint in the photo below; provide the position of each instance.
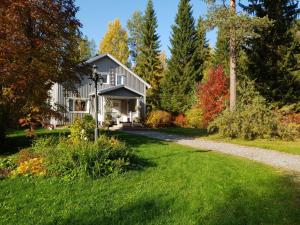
(29, 164)
(31, 167)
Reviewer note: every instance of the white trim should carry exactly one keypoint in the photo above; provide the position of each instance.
(120, 97)
(122, 78)
(108, 77)
(121, 64)
(102, 91)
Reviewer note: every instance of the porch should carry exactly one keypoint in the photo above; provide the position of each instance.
(119, 110)
(119, 104)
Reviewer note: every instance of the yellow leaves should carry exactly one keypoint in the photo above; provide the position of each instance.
(115, 42)
(31, 167)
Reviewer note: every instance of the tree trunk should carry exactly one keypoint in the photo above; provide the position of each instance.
(233, 62)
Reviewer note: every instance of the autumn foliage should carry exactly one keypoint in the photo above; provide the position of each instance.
(38, 47)
(212, 94)
(115, 42)
(180, 120)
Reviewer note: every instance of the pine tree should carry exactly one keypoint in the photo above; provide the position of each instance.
(179, 83)
(148, 64)
(272, 56)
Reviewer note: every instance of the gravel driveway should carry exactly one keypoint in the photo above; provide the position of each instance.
(273, 158)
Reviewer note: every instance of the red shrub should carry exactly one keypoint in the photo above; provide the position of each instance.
(291, 118)
(180, 120)
(212, 94)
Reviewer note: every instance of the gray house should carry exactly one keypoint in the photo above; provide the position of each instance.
(122, 95)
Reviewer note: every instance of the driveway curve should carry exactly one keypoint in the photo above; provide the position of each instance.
(269, 157)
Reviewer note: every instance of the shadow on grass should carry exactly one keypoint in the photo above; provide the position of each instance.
(239, 206)
(135, 141)
(12, 144)
(141, 211)
(190, 132)
(140, 163)
(242, 206)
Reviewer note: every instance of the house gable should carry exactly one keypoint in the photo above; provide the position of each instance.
(96, 58)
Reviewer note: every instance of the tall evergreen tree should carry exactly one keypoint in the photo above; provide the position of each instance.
(202, 50)
(87, 48)
(148, 64)
(221, 53)
(135, 40)
(296, 36)
(272, 55)
(179, 83)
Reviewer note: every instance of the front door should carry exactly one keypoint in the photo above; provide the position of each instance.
(116, 109)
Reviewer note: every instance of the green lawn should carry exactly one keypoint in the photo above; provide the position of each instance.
(17, 140)
(178, 185)
(292, 147)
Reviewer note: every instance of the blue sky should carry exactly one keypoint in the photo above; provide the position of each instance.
(96, 14)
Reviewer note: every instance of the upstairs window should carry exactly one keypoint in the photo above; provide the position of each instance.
(120, 79)
(106, 78)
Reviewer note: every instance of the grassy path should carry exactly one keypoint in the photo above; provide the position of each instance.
(178, 185)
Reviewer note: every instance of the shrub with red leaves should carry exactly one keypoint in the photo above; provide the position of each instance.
(180, 120)
(212, 94)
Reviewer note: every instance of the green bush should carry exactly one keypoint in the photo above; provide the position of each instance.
(194, 117)
(251, 119)
(88, 121)
(82, 129)
(7, 165)
(288, 131)
(159, 118)
(84, 159)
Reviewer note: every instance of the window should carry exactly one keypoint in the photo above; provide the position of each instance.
(120, 79)
(106, 78)
(71, 105)
(78, 105)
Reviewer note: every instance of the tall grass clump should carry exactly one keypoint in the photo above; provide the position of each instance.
(84, 159)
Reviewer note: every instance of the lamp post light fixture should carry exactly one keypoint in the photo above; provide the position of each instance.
(96, 77)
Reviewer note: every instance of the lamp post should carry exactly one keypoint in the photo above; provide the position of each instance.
(96, 77)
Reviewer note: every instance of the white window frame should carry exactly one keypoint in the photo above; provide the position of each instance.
(122, 79)
(82, 99)
(108, 78)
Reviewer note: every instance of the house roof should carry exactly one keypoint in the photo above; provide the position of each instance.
(93, 59)
(119, 87)
(115, 88)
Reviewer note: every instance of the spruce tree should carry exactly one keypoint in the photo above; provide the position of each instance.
(272, 56)
(148, 64)
(179, 83)
(202, 50)
(135, 40)
(221, 53)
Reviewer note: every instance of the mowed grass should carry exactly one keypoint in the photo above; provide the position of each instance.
(292, 147)
(38, 132)
(178, 185)
(17, 139)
